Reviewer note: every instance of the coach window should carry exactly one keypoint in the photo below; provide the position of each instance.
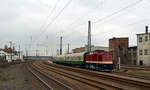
(146, 52)
(146, 38)
(140, 52)
(140, 39)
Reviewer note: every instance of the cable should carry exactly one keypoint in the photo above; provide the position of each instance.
(54, 19)
(83, 16)
(120, 10)
(130, 24)
(50, 14)
(114, 13)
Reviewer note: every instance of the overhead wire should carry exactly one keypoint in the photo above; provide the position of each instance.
(116, 12)
(50, 14)
(130, 24)
(106, 17)
(122, 9)
(83, 16)
(126, 26)
(54, 19)
(88, 13)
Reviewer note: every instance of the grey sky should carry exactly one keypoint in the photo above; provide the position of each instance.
(21, 19)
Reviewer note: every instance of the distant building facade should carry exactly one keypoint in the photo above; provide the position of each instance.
(78, 50)
(119, 45)
(143, 46)
(84, 49)
(132, 55)
(9, 54)
(2, 55)
(99, 48)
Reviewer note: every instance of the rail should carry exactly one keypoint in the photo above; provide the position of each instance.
(53, 79)
(42, 81)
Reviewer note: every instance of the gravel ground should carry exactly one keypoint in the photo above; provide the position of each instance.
(14, 78)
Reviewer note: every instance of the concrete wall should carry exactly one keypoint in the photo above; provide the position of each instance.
(143, 46)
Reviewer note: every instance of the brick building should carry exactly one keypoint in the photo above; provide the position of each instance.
(114, 45)
(132, 55)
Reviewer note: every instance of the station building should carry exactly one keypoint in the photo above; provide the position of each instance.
(143, 48)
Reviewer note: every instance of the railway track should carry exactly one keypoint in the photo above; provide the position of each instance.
(92, 83)
(49, 82)
(110, 80)
(97, 80)
(134, 76)
(136, 68)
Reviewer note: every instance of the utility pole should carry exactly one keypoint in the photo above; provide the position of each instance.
(61, 45)
(57, 51)
(13, 46)
(119, 58)
(68, 48)
(26, 52)
(89, 36)
(10, 44)
(19, 51)
(11, 50)
(36, 53)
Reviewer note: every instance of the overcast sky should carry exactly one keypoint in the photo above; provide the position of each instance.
(45, 22)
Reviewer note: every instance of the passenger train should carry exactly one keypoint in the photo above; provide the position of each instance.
(98, 59)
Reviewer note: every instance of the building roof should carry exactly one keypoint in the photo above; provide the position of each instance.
(134, 47)
(142, 33)
(118, 38)
(9, 50)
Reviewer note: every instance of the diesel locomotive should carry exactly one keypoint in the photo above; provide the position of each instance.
(98, 60)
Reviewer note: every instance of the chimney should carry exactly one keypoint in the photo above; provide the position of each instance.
(146, 31)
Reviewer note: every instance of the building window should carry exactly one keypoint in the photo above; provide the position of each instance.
(134, 49)
(134, 54)
(140, 39)
(140, 52)
(146, 38)
(146, 51)
(129, 54)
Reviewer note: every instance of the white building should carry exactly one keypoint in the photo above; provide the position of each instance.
(2, 53)
(143, 48)
(10, 55)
